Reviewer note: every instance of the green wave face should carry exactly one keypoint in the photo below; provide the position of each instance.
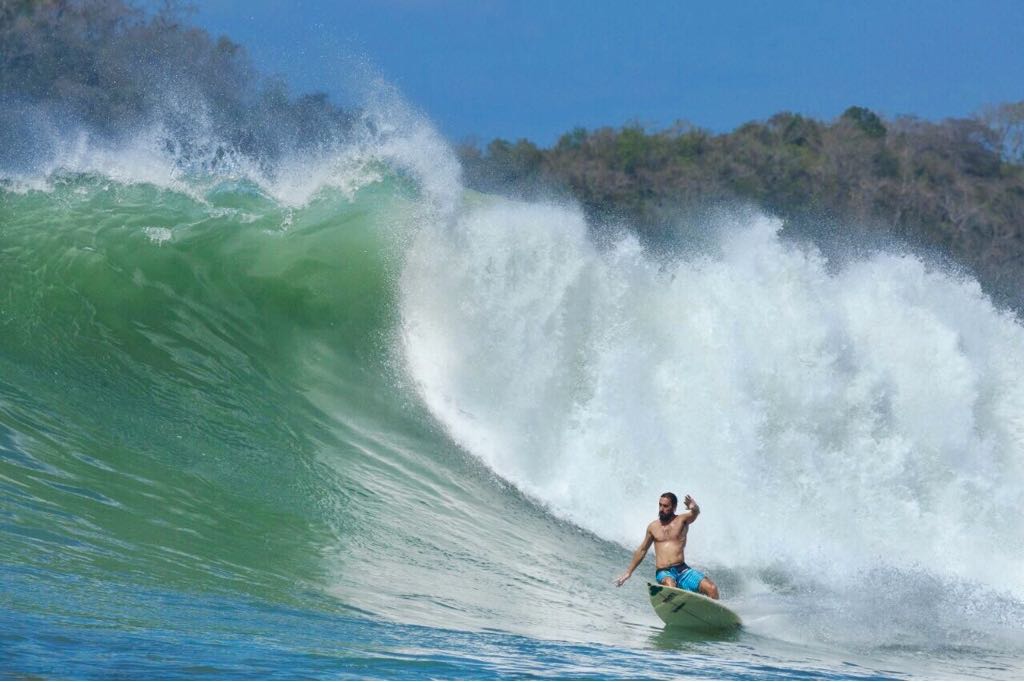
(160, 368)
(209, 393)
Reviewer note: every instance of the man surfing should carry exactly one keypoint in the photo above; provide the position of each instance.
(668, 534)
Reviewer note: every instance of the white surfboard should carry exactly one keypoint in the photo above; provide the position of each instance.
(690, 610)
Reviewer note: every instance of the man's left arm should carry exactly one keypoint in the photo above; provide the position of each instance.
(692, 509)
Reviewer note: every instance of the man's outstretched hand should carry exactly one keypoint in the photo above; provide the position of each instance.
(621, 579)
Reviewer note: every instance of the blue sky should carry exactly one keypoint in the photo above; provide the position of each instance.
(489, 69)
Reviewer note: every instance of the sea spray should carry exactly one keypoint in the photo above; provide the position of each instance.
(832, 422)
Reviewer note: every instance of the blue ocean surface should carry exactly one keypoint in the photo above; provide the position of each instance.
(99, 630)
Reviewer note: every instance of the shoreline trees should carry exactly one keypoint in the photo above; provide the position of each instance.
(956, 186)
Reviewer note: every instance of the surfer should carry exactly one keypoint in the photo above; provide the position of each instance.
(668, 534)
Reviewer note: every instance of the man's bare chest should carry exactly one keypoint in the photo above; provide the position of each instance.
(669, 532)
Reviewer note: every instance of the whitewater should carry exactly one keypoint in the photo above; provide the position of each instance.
(343, 417)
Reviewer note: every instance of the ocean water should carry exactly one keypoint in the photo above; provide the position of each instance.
(346, 419)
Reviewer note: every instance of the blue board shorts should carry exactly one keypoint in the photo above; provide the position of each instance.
(686, 578)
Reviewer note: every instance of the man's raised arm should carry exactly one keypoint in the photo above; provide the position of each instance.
(638, 556)
(692, 509)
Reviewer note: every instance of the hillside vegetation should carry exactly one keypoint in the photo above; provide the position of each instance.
(956, 187)
(110, 67)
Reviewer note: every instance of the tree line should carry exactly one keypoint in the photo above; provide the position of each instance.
(108, 66)
(956, 187)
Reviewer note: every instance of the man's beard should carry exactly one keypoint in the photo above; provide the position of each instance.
(665, 518)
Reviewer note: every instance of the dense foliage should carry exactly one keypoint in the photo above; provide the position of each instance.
(107, 66)
(955, 186)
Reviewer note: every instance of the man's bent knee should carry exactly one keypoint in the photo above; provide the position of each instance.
(668, 582)
(708, 588)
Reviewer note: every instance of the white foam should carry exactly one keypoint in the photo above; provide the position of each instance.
(158, 235)
(830, 422)
(191, 157)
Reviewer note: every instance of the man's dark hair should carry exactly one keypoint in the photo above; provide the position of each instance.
(672, 496)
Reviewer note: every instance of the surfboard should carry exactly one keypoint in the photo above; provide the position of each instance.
(687, 609)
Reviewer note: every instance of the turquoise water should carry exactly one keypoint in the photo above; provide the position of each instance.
(353, 421)
(100, 630)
